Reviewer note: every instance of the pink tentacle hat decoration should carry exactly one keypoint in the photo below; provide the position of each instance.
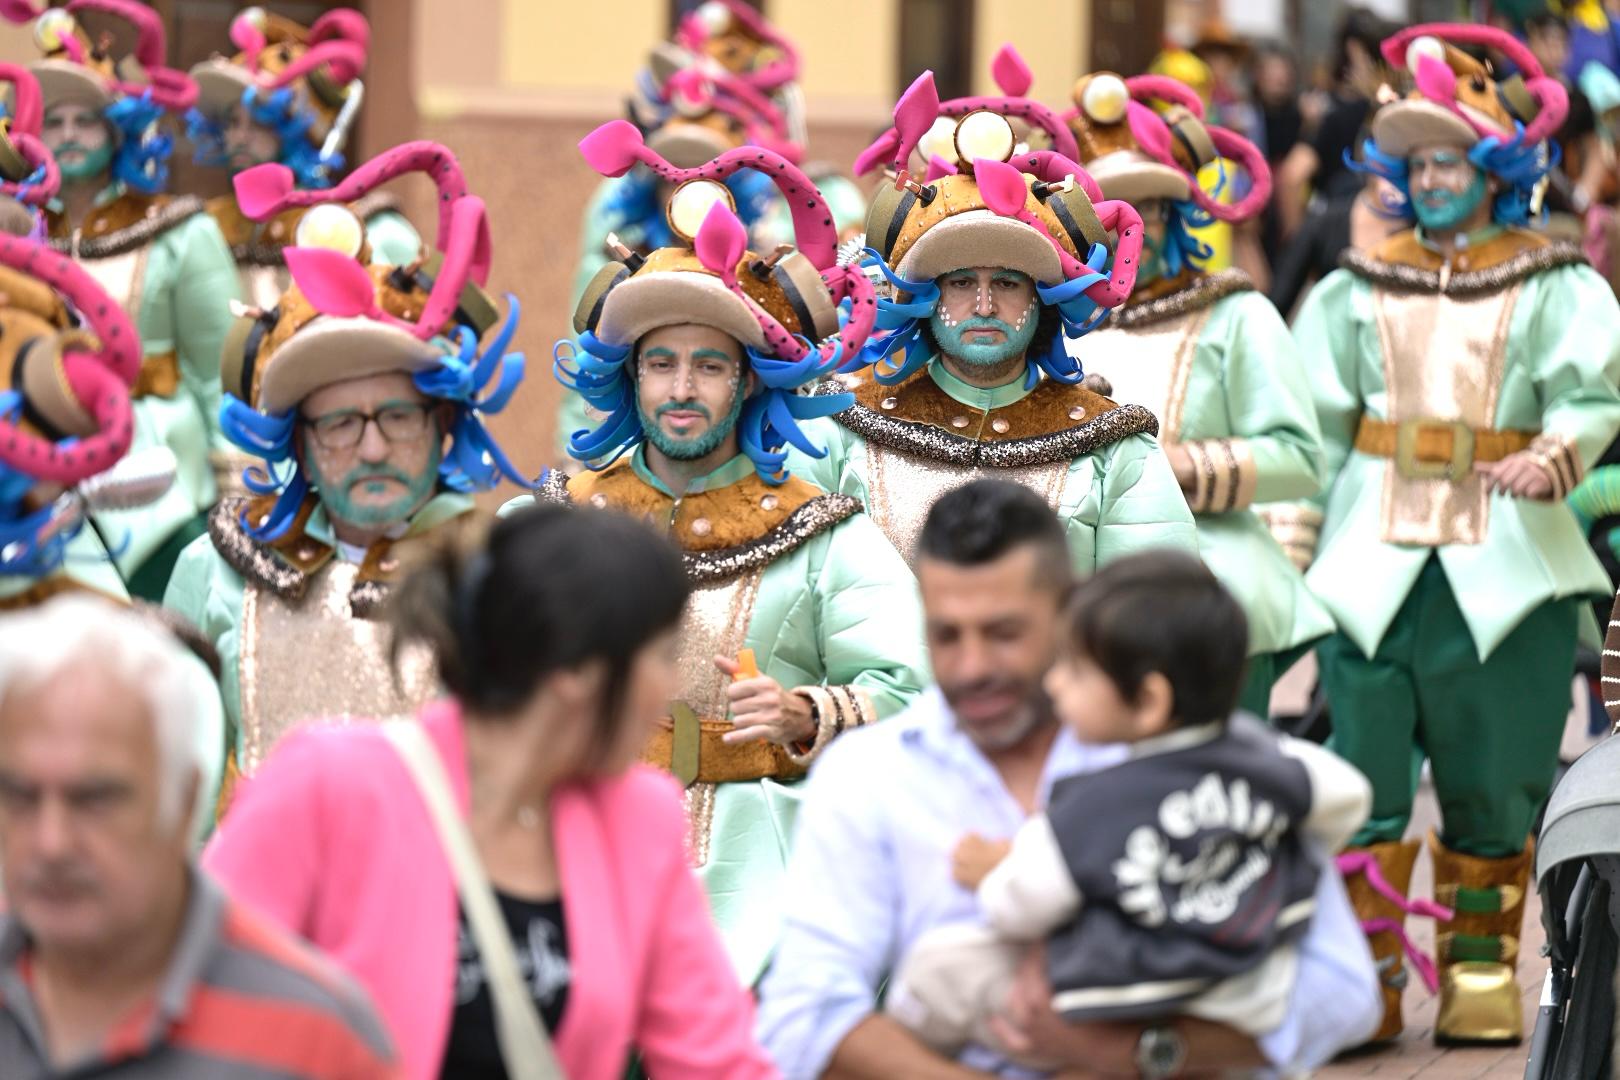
(932, 140)
(616, 146)
(96, 372)
(170, 88)
(1459, 99)
(22, 139)
(334, 281)
(1139, 152)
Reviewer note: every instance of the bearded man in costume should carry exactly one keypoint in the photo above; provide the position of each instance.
(994, 259)
(162, 259)
(727, 78)
(360, 392)
(694, 354)
(1465, 374)
(1207, 354)
(290, 94)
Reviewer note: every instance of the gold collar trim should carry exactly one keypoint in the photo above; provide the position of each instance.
(1054, 422)
(129, 223)
(1202, 291)
(1403, 266)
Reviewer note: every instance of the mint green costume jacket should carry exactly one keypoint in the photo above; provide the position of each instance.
(1213, 360)
(807, 582)
(1097, 463)
(1519, 335)
(165, 261)
(296, 621)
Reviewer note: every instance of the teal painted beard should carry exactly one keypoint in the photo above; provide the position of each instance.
(983, 354)
(341, 506)
(94, 164)
(698, 446)
(1451, 208)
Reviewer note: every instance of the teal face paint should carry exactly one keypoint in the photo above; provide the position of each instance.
(697, 446)
(1439, 208)
(90, 163)
(955, 337)
(342, 506)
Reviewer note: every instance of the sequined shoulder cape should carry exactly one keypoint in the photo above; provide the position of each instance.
(728, 531)
(1178, 296)
(129, 222)
(1403, 264)
(1054, 422)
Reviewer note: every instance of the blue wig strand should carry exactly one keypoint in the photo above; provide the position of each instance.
(142, 160)
(1183, 250)
(285, 113)
(473, 462)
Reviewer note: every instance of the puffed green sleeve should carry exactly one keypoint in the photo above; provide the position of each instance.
(1574, 348)
(834, 471)
(394, 241)
(1142, 506)
(869, 628)
(1275, 448)
(204, 284)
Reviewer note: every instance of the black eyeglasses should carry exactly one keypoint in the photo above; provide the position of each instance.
(344, 429)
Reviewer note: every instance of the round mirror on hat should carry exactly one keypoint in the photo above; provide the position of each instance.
(984, 134)
(690, 204)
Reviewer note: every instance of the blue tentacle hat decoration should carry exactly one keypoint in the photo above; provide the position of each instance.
(796, 314)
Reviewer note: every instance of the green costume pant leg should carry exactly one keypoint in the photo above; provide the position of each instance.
(1264, 671)
(1491, 729)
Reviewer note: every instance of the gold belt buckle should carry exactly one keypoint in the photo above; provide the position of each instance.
(1410, 467)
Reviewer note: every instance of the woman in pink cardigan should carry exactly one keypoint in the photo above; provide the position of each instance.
(556, 640)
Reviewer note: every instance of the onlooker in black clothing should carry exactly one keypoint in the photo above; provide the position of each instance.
(1276, 91)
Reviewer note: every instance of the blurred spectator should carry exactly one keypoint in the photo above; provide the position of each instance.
(1282, 123)
(1594, 37)
(884, 808)
(556, 639)
(117, 958)
(1317, 193)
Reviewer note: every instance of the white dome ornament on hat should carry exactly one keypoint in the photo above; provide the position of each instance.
(344, 319)
(784, 308)
(1038, 213)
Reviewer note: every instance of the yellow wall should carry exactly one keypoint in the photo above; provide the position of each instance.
(848, 49)
(1049, 34)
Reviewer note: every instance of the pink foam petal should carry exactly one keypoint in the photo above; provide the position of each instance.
(881, 152)
(721, 241)
(247, 37)
(1001, 185)
(1151, 132)
(1435, 80)
(611, 149)
(20, 11)
(333, 282)
(261, 190)
(915, 112)
(1010, 72)
(938, 167)
(28, 107)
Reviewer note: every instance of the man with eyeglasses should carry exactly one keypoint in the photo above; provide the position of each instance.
(369, 432)
(1464, 373)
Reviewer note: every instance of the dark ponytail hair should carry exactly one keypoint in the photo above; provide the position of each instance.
(551, 587)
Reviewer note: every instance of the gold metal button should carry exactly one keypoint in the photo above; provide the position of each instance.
(388, 565)
(1077, 413)
(999, 426)
(701, 527)
(888, 403)
(769, 502)
(599, 500)
(959, 421)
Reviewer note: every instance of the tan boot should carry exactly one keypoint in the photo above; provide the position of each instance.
(1394, 860)
(1479, 996)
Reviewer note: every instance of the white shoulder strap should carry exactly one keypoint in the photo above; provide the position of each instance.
(524, 1045)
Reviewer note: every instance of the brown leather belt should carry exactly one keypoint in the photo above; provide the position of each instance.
(1437, 449)
(716, 762)
(159, 377)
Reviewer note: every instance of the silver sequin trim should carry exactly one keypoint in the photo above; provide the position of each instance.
(1401, 278)
(1204, 290)
(810, 520)
(134, 236)
(249, 557)
(554, 489)
(930, 442)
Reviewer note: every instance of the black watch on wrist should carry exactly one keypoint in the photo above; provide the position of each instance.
(1161, 1052)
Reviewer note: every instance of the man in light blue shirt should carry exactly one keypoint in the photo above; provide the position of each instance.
(885, 808)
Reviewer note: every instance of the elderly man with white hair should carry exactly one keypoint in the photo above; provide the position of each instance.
(116, 955)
